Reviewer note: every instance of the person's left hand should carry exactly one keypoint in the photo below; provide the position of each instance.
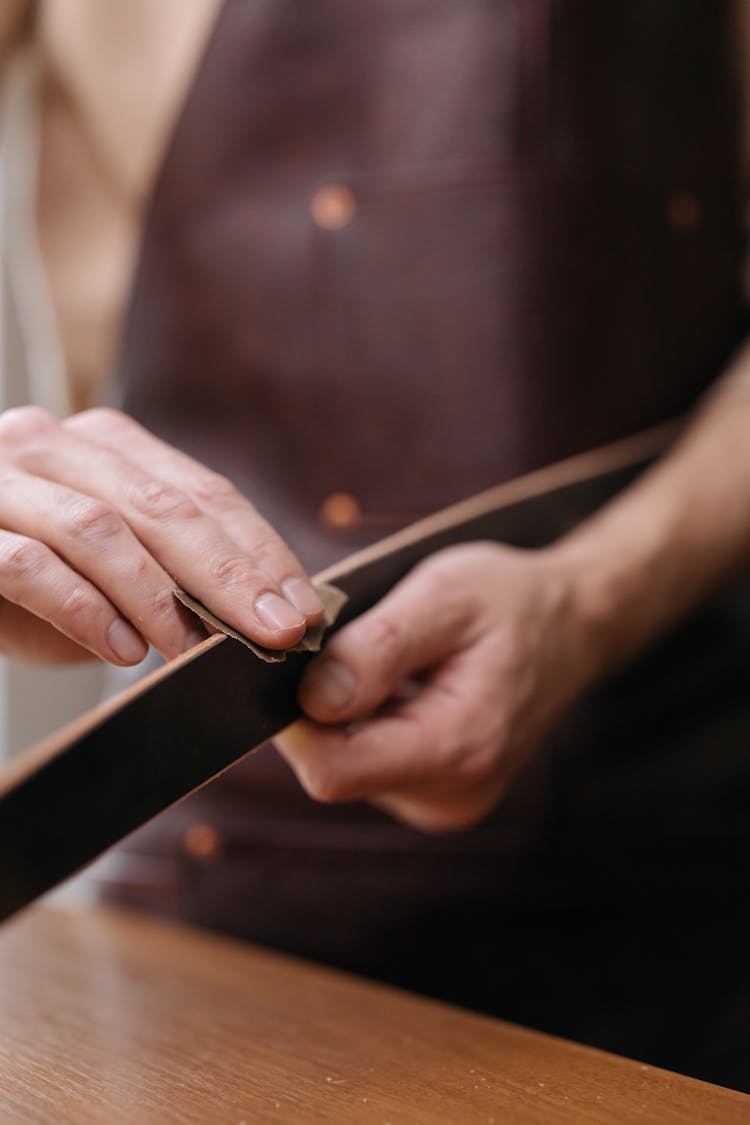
(430, 703)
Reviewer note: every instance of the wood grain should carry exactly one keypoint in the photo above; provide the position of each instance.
(109, 1017)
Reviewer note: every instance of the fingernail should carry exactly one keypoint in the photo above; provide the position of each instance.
(301, 594)
(126, 644)
(277, 613)
(330, 684)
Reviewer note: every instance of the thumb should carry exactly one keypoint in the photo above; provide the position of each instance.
(421, 621)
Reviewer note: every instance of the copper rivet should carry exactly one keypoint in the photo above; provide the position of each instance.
(684, 211)
(340, 510)
(202, 841)
(333, 207)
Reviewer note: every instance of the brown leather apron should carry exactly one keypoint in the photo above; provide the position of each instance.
(401, 250)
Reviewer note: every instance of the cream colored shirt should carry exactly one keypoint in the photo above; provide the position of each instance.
(94, 87)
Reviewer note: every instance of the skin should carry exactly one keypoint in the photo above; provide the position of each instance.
(431, 703)
(100, 521)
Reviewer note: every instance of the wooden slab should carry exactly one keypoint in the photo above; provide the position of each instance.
(108, 1017)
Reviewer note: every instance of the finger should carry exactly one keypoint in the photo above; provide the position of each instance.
(419, 623)
(31, 640)
(431, 810)
(212, 492)
(32, 576)
(95, 540)
(186, 542)
(412, 746)
(422, 763)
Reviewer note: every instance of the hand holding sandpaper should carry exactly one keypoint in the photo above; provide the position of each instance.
(81, 791)
(99, 520)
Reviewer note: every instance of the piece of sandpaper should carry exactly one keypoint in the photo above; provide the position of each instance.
(82, 790)
(333, 601)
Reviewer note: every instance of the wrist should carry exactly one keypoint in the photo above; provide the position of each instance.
(626, 583)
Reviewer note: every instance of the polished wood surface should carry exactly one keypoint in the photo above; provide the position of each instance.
(105, 1016)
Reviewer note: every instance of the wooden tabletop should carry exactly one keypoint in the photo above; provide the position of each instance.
(105, 1016)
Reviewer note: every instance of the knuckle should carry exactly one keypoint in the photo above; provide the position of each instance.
(472, 766)
(449, 752)
(385, 638)
(458, 818)
(91, 518)
(215, 490)
(140, 569)
(229, 572)
(162, 606)
(431, 570)
(101, 419)
(467, 750)
(323, 786)
(21, 558)
(159, 620)
(157, 500)
(457, 754)
(77, 607)
(24, 422)
(270, 552)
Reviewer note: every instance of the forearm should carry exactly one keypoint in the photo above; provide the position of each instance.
(669, 541)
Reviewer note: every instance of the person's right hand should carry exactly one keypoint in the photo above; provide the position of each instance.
(100, 520)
